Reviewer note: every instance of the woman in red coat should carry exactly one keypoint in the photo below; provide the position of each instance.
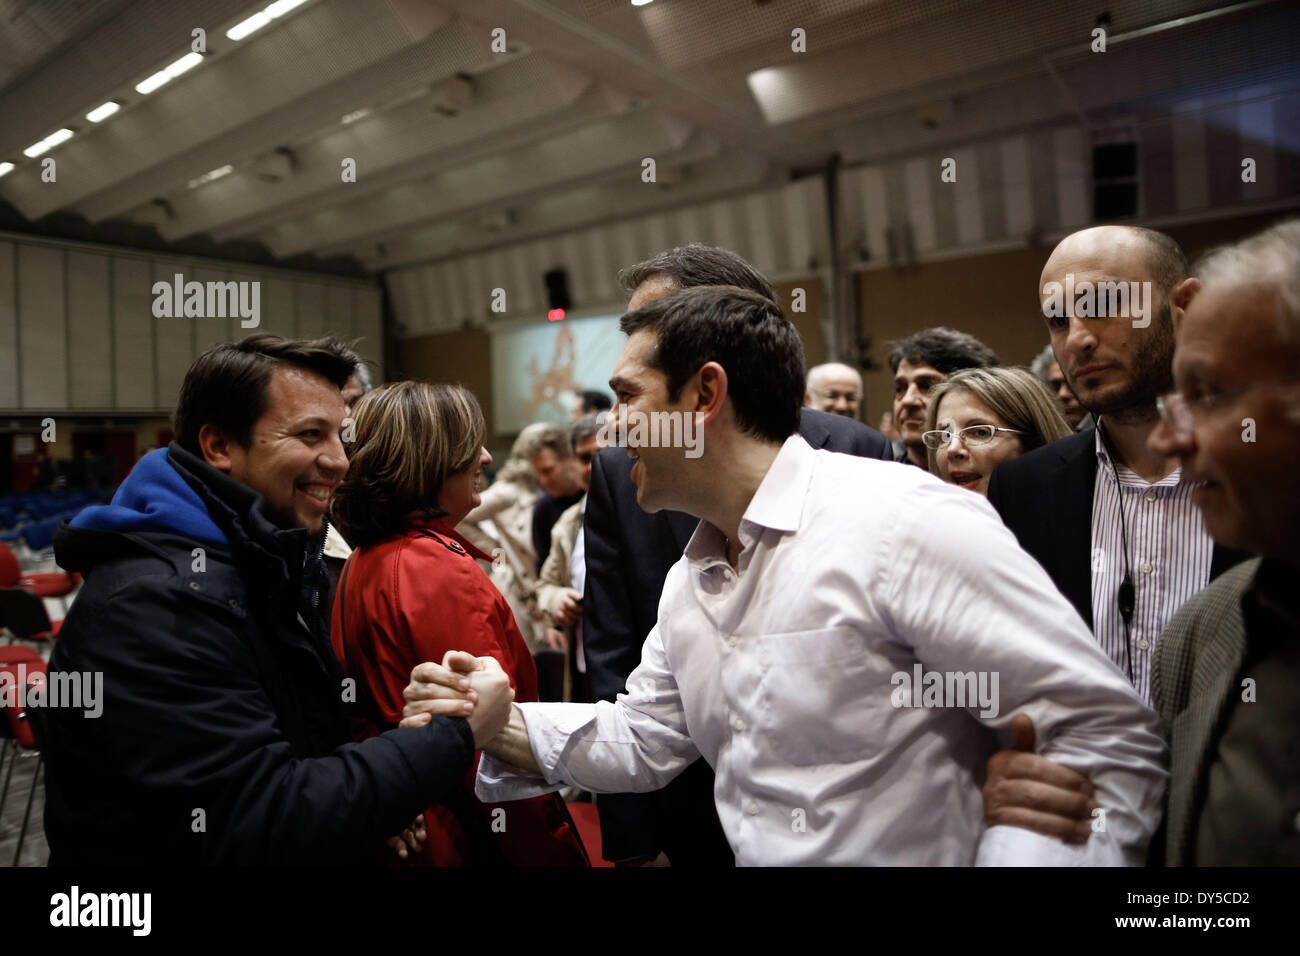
(412, 590)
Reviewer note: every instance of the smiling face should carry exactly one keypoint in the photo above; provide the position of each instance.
(1111, 366)
(642, 390)
(460, 491)
(295, 458)
(971, 466)
(1229, 345)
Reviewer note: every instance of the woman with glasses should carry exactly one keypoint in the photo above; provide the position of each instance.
(981, 417)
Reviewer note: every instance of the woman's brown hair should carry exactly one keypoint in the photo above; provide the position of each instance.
(410, 437)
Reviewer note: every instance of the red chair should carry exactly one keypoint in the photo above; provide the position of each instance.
(24, 615)
(55, 584)
(16, 727)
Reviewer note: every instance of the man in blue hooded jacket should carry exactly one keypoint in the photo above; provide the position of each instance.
(225, 721)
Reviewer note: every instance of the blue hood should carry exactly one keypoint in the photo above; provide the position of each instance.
(155, 498)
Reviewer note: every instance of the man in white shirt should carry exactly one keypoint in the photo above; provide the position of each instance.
(841, 640)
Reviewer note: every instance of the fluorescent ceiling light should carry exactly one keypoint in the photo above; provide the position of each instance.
(48, 143)
(5, 167)
(186, 63)
(259, 20)
(245, 27)
(153, 82)
(281, 7)
(169, 72)
(356, 115)
(639, 3)
(211, 175)
(101, 113)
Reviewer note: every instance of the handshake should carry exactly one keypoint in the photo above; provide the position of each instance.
(461, 686)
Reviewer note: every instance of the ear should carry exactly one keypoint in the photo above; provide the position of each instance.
(216, 447)
(710, 391)
(1180, 297)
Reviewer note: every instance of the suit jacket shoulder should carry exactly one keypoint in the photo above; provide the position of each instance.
(842, 434)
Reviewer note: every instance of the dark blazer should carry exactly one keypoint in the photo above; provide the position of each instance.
(1045, 498)
(1194, 679)
(628, 555)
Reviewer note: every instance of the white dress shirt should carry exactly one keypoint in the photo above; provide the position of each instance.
(782, 675)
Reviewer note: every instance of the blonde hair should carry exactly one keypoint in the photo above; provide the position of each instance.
(1015, 397)
(410, 438)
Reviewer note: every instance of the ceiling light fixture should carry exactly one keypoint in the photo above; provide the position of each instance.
(5, 168)
(101, 113)
(258, 20)
(169, 72)
(48, 143)
(210, 176)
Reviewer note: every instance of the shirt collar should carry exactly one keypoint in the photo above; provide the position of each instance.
(1173, 479)
(777, 504)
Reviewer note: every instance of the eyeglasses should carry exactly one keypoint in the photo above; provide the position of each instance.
(970, 435)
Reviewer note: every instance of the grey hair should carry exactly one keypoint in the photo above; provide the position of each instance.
(1042, 364)
(1271, 257)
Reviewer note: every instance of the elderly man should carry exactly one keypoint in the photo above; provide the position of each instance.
(834, 387)
(1226, 678)
(225, 726)
(795, 634)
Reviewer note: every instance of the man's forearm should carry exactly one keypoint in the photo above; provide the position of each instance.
(511, 745)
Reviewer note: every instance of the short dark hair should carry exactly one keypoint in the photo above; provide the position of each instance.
(226, 385)
(1166, 258)
(593, 401)
(943, 349)
(586, 426)
(744, 332)
(695, 265)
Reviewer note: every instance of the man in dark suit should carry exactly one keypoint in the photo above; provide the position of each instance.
(1233, 426)
(1111, 520)
(629, 553)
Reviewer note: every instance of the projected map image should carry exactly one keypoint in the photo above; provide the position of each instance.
(537, 372)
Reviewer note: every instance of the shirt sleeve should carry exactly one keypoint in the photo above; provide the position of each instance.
(635, 744)
(966, 598)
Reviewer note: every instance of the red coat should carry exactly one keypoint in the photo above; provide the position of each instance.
(411, 599)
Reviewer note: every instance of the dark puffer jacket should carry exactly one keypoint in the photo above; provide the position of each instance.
(224, 732)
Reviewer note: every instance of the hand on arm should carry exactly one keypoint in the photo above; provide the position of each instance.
(1029, 791)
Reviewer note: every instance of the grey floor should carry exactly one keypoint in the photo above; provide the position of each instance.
(35, 851)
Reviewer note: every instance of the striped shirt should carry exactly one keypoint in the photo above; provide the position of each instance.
(1169, 554)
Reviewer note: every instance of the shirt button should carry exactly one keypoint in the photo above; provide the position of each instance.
(1146, 568)
(738, 724)
(1150, 497)
(1143, 644)
(733, 641)
(753, 809)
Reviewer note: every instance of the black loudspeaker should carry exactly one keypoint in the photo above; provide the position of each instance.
(557, 289)
(1115, 181)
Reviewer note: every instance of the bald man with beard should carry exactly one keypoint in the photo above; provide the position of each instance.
(1111, 519)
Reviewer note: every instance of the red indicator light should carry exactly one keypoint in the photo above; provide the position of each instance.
(555, 315)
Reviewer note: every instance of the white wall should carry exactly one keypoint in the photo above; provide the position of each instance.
(77, 331)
